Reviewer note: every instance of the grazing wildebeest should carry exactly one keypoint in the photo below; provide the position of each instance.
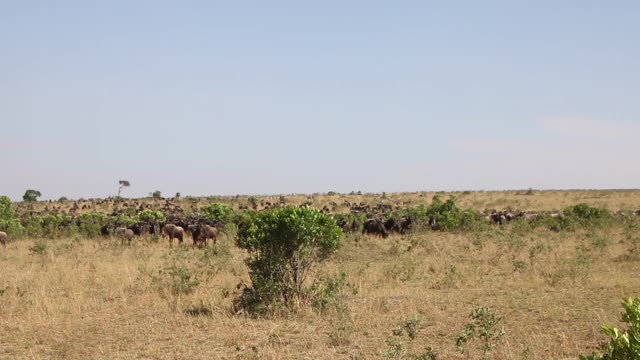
(405, 224)
(176, 232)
(208, 232)
(140, 228)
(167, 229)
(3, 238)
(104, 230)
(201, 233)
(124, 234)
(375, 226)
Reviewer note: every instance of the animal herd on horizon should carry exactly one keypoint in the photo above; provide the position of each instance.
(370, 219)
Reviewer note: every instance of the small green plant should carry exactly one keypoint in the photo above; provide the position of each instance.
(452, 278)
(519, 265)
(400, 344)
(484, 327)
(623, 344)
(599, 241)
(403, 270)
(330, 291)
(632, 239)
(580, 266)
(182, 280)
(39, 247)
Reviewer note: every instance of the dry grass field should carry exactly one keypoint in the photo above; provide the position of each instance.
(76, 298)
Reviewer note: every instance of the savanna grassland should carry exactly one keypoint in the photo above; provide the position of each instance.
(73, 297)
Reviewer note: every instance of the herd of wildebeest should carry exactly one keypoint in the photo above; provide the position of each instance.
(381, 219)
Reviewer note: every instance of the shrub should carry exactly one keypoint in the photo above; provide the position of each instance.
(327, 292)
(151, 216)
(8, 220)
(623, 345)
(447, 216)
(283, 244)
(90, 223)
(483, 326)
(39, 247)
(47, 225)
(218, 213)
(586, 216)
(399, 347)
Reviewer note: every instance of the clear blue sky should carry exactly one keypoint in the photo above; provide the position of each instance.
(227, 97)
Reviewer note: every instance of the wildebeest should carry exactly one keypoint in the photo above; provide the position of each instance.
(201, 233)
(124, 234)
(167, 229)
(375, 226)
(176, 232)
(140, 228)
(208, 232)
(3, 238)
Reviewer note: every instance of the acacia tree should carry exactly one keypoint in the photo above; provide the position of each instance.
(31, 195)
(283, 245)
(123, 184)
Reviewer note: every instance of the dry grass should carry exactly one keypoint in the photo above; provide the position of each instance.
(86, 298)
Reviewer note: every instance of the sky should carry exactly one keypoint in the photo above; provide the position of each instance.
(280, 97)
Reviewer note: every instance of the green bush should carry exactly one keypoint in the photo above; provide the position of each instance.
(283, 244)
(218, 213)
(151, 216)
(9, 222)
(89, 224)
(586, 213)
(484, 327)
(623, 345)
(449, 217)
(47, 225)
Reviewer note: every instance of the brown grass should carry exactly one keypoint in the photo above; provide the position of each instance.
(96, 299)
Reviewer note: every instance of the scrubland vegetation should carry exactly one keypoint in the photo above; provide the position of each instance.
(466, 288)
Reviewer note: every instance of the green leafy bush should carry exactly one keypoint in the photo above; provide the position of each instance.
(623, 345)
(47, 225)
(484, 327)
(9, 222)
(90, 223)
(283, 244)
(151, 216)
(447, 216)
(218, 212)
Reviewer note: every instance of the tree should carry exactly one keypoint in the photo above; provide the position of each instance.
(156, 194)
(31, 195)
(283, 245)
(123, 184)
